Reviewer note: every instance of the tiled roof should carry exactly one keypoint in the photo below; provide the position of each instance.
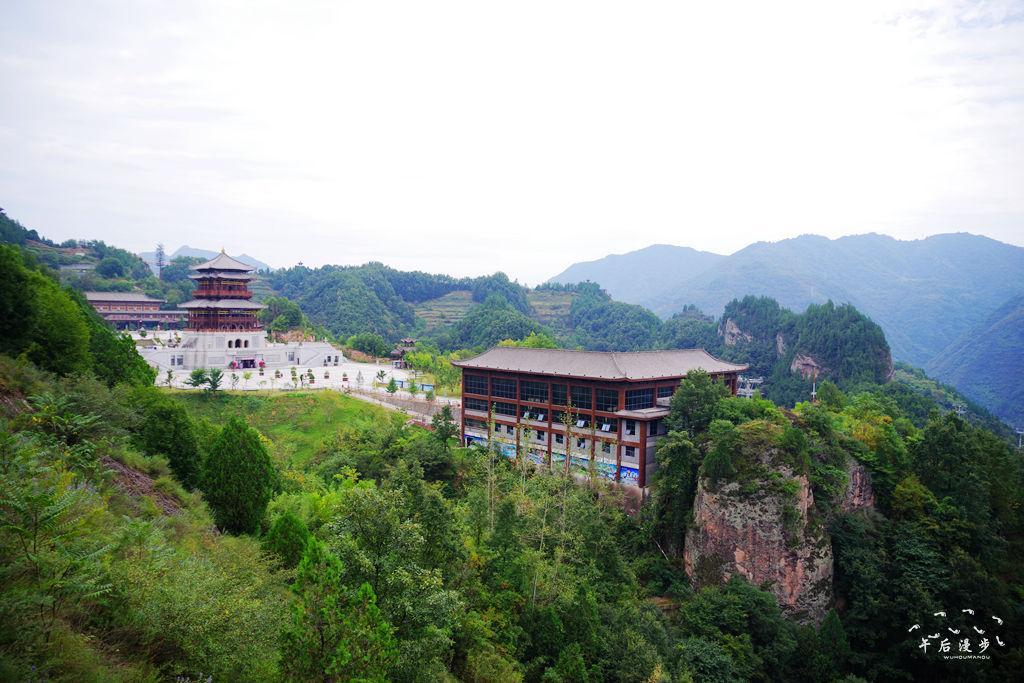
(121, 296)
(224, 262)
(615, 365)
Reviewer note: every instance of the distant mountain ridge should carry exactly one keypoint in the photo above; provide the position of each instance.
(631, 277)
(924, 293)
(150, 257)
(987, 362)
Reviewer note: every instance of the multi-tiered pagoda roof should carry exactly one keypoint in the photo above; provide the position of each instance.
(222, 296)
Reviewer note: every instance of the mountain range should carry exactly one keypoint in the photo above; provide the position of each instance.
(150, 257)
(942, 301)
(977, 363)
(924, 293)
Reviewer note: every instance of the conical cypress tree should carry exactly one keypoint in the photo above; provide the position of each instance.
(238, 478)
(287, 539)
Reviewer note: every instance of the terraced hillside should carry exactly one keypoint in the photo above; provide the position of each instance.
(551, 308)
(444, 310)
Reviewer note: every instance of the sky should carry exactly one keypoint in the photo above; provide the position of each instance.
(471, 137)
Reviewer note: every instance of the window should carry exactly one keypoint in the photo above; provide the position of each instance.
(558, 394)
(638, 399)
(631, 427)
(540, 435)
(606, 447)
(476, 424)
(505, 408)
(608, 426)
(474, 384)
(503, 388)
(581, 443)
(630, 453)
(246, 343)
(581, 397)
(475, 404)
(536, 392)
(231, 344)
(665, 392)
(559, 439)
(509, 429)
(607, 400)
(582, 423)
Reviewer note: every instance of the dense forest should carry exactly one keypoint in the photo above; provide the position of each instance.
(149, 534)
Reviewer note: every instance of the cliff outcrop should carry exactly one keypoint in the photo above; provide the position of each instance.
(762, 524)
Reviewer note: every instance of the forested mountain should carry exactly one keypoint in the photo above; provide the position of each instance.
(150, 534)
(987, 362)
(924, 293)
(634, 276)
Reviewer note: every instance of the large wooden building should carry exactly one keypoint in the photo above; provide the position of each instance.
(606, 407)
(133, 309)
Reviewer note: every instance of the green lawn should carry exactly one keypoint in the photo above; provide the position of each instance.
(297, 423)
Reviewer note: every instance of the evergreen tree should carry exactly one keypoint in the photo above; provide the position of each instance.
(336, 634)
(238, 478)
(444, 426)
(392, 386)
(287, 538)
(17, 305)
(167, 428)
(693, 405)
(60, 335)
(834, 645)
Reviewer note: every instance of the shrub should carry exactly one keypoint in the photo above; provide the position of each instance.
(238, 478)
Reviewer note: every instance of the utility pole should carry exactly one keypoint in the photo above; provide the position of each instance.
(1020, 433)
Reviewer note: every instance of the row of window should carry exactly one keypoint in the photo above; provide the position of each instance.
(584, 398)
(606, 426)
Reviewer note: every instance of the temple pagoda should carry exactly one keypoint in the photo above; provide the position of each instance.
(223, 300)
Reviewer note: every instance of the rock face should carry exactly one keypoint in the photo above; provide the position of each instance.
(732, 333)
(767, 537)
(860, 495)
(806, 366)
(768, 531)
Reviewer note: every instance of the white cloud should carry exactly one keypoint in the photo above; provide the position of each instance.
(470, 137)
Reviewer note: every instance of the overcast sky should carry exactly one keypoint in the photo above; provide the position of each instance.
(523, 136)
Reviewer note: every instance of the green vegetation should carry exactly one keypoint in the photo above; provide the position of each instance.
(238, 478)
(369, 548)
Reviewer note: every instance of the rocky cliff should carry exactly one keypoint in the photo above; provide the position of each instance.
(763, 525)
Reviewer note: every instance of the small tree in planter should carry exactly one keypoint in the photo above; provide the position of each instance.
(246, 376)
(392, 386)
(430, 395)
(380, 376)
(234, 380)
(360, 379)
(413, 388)
(169, 378)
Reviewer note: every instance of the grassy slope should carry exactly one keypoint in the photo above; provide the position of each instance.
(296, 423)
